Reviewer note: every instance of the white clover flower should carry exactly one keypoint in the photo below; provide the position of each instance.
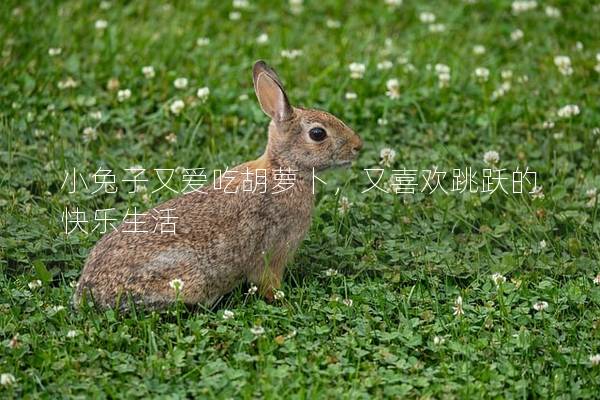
(89, 135)
(491, 157)
(171, 138)
(296, 6)
(262, 38)
(123, 95)
(101, 24)
(357, 70)
(241, 4)
(202, 41)
(479, 49)
(393, 89)
(34, 284)
(97, 115)
(501, 91)
(427, 17)
(333, 23)
(257, 330)
(592, 195)
(148, 71)
(105, 5)
(482, 74)
(292, 334)
(562, 61)
(252, 290)
(177, 106)
(597, 279)
(176, 284)
(89, 101)
(540, 306)
(351, 96)
(496, 94)
(347, 302)
(180, 83)
(458, 307)
(54, 51)
(385, 64)
(564, 65)
(537, 192)
(516, 35)
(498, 278)
(68, 83)
(344, 205)
(568, 111)
(393, 3)
(443, 75)
(382, 121)
(71, 334)
(522, 6)
(14, 342)
(291, 54)
(548, 124)
(506, 74)
(437, 28)
(591, 192)
(113, 84)
(235, 15)
(438, 340)
(552, 12)
(279, 295)
(203, 93)
(543, 244)
(55, 309)
(441, 69)
(227, 314)
(136, 167)
(387, 156)
(331, 271)
(7, 379)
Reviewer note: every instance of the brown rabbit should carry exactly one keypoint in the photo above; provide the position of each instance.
(222, 238)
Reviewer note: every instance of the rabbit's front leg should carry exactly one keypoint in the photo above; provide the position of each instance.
(267, 277)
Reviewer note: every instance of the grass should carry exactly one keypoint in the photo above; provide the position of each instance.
(402, 260)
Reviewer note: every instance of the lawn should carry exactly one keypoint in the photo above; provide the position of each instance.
(481, 288)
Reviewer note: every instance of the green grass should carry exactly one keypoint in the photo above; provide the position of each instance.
(402, 259)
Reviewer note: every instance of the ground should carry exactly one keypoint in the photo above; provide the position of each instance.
(456, 294)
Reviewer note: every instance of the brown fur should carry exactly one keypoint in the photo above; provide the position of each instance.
(223, 238)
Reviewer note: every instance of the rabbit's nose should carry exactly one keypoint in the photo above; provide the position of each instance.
(357, 145)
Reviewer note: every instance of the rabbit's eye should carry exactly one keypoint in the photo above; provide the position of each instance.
(317, 134)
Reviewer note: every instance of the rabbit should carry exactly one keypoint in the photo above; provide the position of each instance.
(221, 238)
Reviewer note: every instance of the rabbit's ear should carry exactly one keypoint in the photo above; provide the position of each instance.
(270, 93)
